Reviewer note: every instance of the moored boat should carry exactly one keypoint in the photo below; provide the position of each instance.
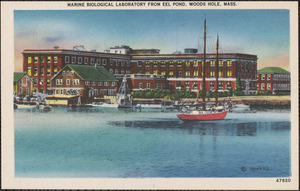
(216, 112)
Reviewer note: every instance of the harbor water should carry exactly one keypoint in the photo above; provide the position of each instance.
(98, 142)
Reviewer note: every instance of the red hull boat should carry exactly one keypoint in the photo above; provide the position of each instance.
(198, 116)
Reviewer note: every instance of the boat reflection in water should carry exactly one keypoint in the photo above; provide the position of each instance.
(226, 127)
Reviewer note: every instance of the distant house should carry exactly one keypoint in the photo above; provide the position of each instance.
(23, 83)
(273, 79)
(84, 81)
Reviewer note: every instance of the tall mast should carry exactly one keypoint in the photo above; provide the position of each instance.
(217, 69)
(204, 68)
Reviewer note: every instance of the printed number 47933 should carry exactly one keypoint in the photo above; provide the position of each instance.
(283, 180)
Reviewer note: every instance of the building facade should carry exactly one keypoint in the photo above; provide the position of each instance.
(173, 70)
(23, 84)
(87, 82)
(273, 79)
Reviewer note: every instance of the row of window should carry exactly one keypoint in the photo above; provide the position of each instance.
(87, 83)
(179, 63)
(21, 90)
(116, 71)
(98, 61)
(42, 59)
(148, 85)
(92, 92)
(186, 73)
(35, 70)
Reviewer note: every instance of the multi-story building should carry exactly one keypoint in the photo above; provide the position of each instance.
(273, 79)
(172, 70)
(87, 82)
(23, 84)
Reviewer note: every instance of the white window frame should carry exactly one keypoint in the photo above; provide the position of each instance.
(67, 59)
(58, 81)
(68, 81)
(106, 84)
(87, 83)
(73, 59)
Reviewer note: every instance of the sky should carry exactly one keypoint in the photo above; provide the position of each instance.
(265, 33)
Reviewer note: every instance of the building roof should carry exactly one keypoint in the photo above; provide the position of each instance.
(276, 70)
(91, 73)
(19, 75)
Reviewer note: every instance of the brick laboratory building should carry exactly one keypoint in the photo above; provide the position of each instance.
(274, 79)
(146, 68)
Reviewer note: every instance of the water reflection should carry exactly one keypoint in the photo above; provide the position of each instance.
(227, 128)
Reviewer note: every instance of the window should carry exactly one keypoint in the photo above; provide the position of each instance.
(220, 74)
(262, 77)
(55, 70)
(128, 63)
(87, 83)
(29, 70)
(269, 77)
(141, 85)
(63, 73)
(67, 59)
(79, 60)
(92, 61)
(220, 63)
(116, 71)
(72, 73)
(48, 59)
(117, 62)
(36, 59)
(68, 81)
(178, 64)
(29, 60)
(195, 73)
(268, 86)
(42, 82)
(162, 86)
(122, 72)
(104, 62)
(157, 85)
(211, 85)
(68, 73)
(147, 72)
(55, 59)
(229, 73)
(171, 73)
(220, 84)
(139, 64)
(122, 63)
(212, 63)
(163, 64)
(171, 64)
(20, 82)
(35, 71)
(42, 71)
(86, 60)
(106, 83)
(187, 63)
(98, 61)
(93, 83)
(73, 60)
(48, 82)
(262, 86)
(163, 73)
(178, 84)
(58, 81)
(155, 64)
(195, 84)
(27, 91)
(75, 81)
(155, 72)
(187, 73)
(147, 64)
(195, 63)
(148, 85)
(20, 90)
(228, 63)
(187, 85)
(100, 83)
(212, 73)
(111, 71)
(112, 83)
(228, 85)
(127, 71)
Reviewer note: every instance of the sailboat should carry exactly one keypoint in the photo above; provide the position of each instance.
(215, 113)
(123, 98)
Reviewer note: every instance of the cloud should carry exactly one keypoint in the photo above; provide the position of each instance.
(52, 39)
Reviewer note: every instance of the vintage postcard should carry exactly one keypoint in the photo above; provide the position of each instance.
(149, 95)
